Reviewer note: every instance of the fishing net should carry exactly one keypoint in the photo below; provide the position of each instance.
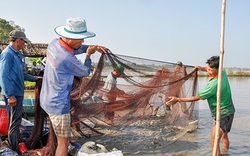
(147, 85)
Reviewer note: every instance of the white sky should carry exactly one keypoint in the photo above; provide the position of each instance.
(165, 30)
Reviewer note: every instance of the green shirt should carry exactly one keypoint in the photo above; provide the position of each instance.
(210, 93)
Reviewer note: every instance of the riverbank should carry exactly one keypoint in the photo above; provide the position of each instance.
(231, 72)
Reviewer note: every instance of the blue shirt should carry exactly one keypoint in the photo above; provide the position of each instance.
(12, 73)
(61, 67)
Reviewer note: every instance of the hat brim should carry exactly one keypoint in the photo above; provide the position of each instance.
(122, 73)
(26, 40)
(177, 65)
(61, 32)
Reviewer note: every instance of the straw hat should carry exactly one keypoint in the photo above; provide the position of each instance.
(75, 28)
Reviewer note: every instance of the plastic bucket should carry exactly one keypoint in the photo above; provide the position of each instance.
(4, 121)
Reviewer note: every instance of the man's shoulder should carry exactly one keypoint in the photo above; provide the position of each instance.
(7, 52)
(54, 41)
(52, 44)
(7, 49)
(56, 51)
(110, 78)
(213, 82)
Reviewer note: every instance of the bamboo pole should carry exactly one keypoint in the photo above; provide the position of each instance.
(217, 130)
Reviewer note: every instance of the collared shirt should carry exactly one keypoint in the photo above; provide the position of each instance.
(12, 73)
(210, 93)
(61, 67)
(35, 67)
(110, 89)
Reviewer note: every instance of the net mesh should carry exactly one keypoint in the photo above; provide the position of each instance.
(147, 85)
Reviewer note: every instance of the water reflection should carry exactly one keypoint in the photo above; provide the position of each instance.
(239, 79)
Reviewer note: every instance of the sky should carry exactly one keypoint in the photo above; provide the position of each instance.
(164, 30)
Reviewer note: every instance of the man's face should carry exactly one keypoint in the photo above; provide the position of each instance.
(20, 43)
(212, 72)
(75, 44)
(177, 68)
(116, 73)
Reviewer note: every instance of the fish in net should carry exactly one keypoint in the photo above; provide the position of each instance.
(147, 85)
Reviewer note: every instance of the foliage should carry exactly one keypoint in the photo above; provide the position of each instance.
(29, 85)
(6, 27)
(38, 60)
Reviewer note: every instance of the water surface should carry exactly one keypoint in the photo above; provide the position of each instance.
(198, 142)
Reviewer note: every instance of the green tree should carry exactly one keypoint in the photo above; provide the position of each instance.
(38, 60)
(6, 27)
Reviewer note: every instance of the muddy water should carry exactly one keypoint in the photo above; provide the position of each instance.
(198, 142)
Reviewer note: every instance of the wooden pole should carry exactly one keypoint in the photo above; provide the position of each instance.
(217, 130)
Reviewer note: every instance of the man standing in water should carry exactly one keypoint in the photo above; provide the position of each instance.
(111, 91)
(179, 73)
(210, 93)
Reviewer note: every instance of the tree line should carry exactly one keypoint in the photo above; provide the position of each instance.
(6, 27)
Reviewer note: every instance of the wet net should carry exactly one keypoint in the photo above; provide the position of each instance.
(136, 103)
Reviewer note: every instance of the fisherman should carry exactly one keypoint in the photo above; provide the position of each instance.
(12, 76)
(210, 93)
(178, 88)
(61, 67)
(111, 91)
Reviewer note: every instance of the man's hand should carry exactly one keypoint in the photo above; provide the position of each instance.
(101, 49)
(12, 101)
(93, 48)
(201, 68)
(172, 100)
(39, 77)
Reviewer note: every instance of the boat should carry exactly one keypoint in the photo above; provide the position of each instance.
(28, 105)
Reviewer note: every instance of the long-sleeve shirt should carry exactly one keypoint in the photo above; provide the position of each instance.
(12, 73)
(110, 89)
(61, 67)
